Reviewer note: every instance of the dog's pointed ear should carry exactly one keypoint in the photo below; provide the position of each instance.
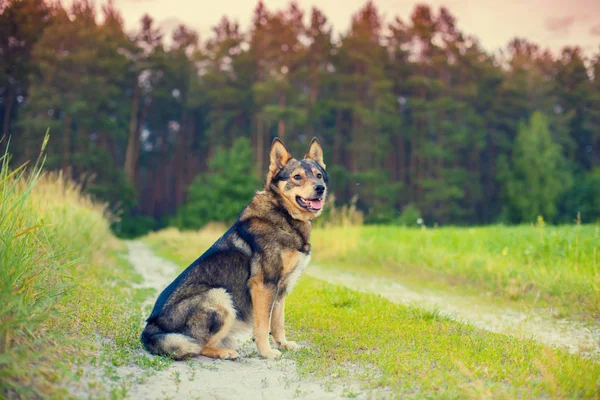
(315, 152)
(279, 156)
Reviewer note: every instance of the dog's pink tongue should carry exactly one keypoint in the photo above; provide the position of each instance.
(316, 204)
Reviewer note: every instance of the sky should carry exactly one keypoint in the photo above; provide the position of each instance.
(551, 24)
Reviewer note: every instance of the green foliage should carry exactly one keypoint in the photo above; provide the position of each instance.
(61, 283)
(377, 194)
(131, 226)
(409, 216)
(536, 176)
(583, 198)
(223, 191)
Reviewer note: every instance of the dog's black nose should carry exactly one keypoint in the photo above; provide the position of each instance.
(319, 189)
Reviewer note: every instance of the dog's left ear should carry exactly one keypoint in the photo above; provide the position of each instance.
(315, 152)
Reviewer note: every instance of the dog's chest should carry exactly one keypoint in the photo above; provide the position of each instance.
(294, 263)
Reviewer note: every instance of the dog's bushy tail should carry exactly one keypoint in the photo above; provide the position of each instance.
(174, 345)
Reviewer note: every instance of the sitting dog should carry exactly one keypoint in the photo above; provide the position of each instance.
(240, 283)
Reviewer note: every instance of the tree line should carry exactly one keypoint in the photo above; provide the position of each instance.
(412, 114)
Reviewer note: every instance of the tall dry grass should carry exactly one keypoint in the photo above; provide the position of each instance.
(53, 242)
(345, 215)
(185, 245)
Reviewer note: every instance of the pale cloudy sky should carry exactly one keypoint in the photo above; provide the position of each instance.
(550, 23)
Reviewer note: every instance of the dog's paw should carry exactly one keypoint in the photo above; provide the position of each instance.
(229, 354)
(288, 345)
(271, 353)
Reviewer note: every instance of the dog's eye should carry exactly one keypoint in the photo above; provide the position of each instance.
(297, 177)
(319, 176)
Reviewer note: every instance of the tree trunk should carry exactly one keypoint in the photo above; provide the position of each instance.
(7, 110)
(133, 142)
(314, 92)
(67, 146)
(260, 147)
(337, 139)
(281, 124)
(314, 87)
(400, 155)
(192, 158)
(180, 161)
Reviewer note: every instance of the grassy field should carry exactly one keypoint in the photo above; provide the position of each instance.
(542, 265)
(66, 293)
(411, 352)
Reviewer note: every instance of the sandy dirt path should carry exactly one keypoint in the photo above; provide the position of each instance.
(251, 377)
(576, 337)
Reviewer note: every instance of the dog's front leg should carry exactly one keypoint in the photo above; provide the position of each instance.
(277, 327)
(262, 302)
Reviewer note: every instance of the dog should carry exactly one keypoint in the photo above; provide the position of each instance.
(239, 284)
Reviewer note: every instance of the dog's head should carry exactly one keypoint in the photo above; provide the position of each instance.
(301, 184)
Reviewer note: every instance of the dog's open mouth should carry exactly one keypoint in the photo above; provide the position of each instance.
(312, 205)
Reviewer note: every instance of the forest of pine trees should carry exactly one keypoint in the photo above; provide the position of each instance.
(411, 113)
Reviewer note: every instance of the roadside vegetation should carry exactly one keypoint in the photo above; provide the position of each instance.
(65, 291)
(404, 351)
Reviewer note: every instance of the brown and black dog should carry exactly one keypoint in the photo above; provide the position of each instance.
(240, 283)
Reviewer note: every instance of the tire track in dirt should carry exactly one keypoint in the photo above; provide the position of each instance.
(250, 377)
(574, 336)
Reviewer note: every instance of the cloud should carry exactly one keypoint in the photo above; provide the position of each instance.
(559, 24)
(595, 31)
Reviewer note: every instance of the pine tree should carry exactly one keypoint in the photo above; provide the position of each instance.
(535, 178)
(78, 95)
(21, 25)
(412, 112)
(223, 191)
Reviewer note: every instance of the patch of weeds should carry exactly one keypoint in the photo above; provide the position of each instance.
(192, 371)
(119, 356)
(434, 314)
(340, 298)
(111, 372)
(350, 394)
(286, 381)
(208, 366)
(157, 363)
(176, 378)
(118, 393)
(299, 392)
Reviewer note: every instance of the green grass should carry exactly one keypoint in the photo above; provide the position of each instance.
(419, 354)
(550, 266)
(409, 352)
(66, 293)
